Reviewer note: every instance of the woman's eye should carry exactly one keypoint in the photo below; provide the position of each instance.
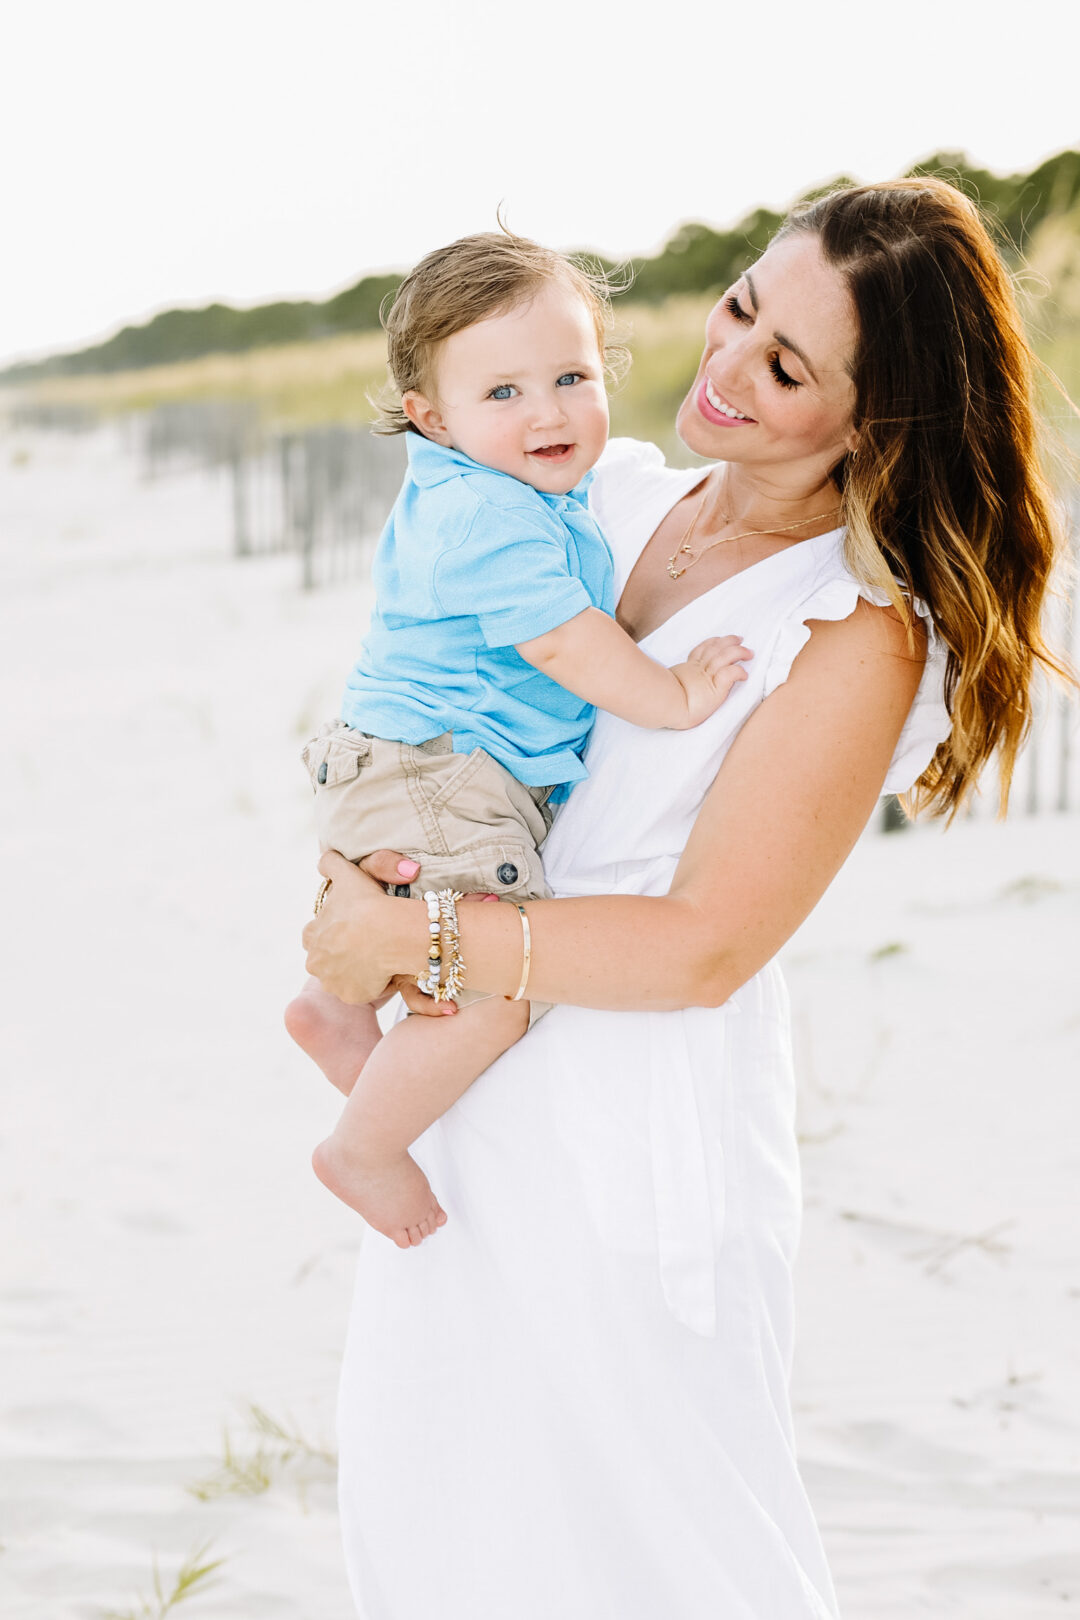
(504, 391)
(568, 379)
(780, 374)
(733, 307)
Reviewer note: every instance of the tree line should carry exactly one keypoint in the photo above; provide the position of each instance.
(696, 259)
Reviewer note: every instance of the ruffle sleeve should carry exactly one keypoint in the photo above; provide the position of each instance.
(928, 722)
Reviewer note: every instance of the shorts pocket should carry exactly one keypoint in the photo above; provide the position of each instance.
(338, 754)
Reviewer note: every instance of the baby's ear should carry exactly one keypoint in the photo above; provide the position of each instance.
(425, 416)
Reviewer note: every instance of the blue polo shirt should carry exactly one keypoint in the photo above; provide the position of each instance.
(470, 563)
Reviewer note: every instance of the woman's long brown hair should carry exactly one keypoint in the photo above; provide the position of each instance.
(946, 492)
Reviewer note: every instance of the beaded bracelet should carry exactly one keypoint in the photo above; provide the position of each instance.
(429, 982)
(443, 926)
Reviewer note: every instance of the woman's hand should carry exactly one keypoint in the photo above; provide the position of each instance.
(355, 942)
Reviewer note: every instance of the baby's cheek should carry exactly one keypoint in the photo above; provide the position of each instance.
(508, 442)
(496, 445)
(597, 431)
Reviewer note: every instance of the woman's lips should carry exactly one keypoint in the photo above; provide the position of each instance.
(711, 414)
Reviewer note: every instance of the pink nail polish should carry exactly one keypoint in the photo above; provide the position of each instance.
(448, 1012)
(407, 869)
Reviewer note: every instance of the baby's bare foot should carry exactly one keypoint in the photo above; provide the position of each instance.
(339, 1038)
(393, 1195)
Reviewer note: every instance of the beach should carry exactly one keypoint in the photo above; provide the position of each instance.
(170, 1269)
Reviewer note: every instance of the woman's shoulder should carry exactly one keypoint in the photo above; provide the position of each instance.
(832, 592)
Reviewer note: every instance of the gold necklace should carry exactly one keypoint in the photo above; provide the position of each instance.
(684, 546)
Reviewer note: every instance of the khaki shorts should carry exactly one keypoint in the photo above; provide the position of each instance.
(469, 823)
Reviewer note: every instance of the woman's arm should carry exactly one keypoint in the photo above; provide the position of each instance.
(795, 791)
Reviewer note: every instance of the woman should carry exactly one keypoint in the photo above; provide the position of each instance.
(573, 1404)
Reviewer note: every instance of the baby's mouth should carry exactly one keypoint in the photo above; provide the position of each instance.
(553, 452)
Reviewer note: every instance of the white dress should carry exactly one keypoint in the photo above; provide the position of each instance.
(572, 1403)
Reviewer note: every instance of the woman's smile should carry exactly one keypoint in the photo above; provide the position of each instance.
(715, 408)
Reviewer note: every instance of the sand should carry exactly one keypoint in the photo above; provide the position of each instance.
(167, 1259)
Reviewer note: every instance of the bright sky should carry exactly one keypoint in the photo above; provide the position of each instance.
(247, 149)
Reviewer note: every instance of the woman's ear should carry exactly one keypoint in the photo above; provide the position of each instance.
(425, 417)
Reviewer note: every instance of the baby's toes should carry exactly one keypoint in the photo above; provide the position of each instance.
(440, 1216)
(415, 1235)
(402, 1238)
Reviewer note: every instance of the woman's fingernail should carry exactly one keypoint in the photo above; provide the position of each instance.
(448, 1012)
(408, 869)
(486, 897)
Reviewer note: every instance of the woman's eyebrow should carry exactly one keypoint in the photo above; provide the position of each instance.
(779, 336)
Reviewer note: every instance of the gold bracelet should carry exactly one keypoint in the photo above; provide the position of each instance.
(526, 956)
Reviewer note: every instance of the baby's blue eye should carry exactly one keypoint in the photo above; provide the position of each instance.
(568, 379)
(503, 391)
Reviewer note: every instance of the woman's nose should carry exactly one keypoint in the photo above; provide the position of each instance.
(728, 363)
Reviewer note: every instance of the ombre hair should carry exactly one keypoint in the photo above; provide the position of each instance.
(468, 281)
(946, 492)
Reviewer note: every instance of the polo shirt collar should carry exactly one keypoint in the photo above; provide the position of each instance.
(431, 463)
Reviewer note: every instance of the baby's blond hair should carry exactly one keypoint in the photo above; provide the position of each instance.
(468, 281)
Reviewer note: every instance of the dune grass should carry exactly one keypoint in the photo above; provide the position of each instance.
(274, 1446)
(291, 384)
(192, 1579)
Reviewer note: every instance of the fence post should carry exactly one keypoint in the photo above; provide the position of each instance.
(893, 818)
(1065, 750)
(307, 515)
(241, 525)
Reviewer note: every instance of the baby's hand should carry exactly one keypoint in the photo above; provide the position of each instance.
(708, 675)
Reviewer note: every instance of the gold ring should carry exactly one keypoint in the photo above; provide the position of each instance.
(320, 898)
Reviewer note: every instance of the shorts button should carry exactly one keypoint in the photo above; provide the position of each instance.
(322, 771)
(507, 873)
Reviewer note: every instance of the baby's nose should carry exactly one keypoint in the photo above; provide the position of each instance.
(548, 410)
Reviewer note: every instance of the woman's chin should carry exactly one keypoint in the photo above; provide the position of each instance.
(715, 445)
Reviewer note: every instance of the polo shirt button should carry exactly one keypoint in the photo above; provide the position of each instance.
(322, 771)
(507, 873)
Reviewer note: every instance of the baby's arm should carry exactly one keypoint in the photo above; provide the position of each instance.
(596, 660)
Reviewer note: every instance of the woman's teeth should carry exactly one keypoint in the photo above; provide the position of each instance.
(719, 405)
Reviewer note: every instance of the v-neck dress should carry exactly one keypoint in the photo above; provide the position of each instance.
(572, 1403)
